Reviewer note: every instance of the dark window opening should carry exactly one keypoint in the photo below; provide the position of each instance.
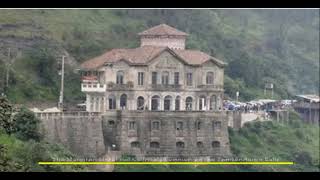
(200, 144)
(155, 103)
(140, 78)
(132, 125)
(140, 103)
(176, 78)
(180, 126)
(155, 125)
(119, 77)
(135, 144)
(167, 103)
(189, 103)
(123, 101)
(111, 123)
(154, 77)
(112, 102)
(215, 144)
(180, 144)
(198, 125)
(155, 145)
(177, 103)
(217, 125)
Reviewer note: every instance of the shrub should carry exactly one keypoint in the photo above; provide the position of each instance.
(5, 115)
(26, 125)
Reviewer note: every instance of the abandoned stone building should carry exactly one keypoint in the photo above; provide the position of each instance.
(159, 99)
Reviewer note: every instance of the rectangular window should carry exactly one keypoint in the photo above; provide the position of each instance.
(189, 79)
(180, 126)
(132, 125)
(216, 125)
(154, 77)
(176, 78)
(155, 125)
(140, 78)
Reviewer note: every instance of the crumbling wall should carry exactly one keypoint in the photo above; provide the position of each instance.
(82, 135)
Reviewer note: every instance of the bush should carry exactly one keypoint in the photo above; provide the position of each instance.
(26, 125)
(303, 158)
(5, 115)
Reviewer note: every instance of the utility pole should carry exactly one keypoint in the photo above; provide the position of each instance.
(8, 68)
(60, 105)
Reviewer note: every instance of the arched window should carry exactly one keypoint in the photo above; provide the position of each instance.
(215, 144)
(135, 144)
(120, 77)
(155, 103)
(165, 78)
(140, 103)
(123, 101)
(167, 103)
(213, 102)
(112, 102)
(177, 103)
(180, 144)
(200, 144)
(189, 103)
(155, 144)
(202, 103)
(209, 78)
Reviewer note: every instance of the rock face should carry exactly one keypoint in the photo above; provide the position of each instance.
(141, 133)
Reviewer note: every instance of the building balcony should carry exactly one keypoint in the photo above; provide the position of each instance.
(89, 87)
(114, 86)
(165, 87)
(210, 86)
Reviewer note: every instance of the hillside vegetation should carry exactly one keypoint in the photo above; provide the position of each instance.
(22, 146)
(277, 46)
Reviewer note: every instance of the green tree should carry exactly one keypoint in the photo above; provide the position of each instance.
(26, 125)
(5, 115)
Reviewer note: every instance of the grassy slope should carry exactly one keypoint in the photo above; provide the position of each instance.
(295, 142)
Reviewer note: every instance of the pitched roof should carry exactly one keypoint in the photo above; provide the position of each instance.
(163, 29)
(144, 54)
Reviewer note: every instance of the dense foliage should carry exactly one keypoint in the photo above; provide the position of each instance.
(22, 146)
(261, 46)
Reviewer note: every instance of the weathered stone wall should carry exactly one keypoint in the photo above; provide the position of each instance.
(116, 126)
(203, 134)
(81, 134)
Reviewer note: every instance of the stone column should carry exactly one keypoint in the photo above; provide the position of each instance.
(93, 103)
(182, 104)
(208, 103)
(150, 100)
(173, 103)
(88, 102)
(99, 104)
(161, 103)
